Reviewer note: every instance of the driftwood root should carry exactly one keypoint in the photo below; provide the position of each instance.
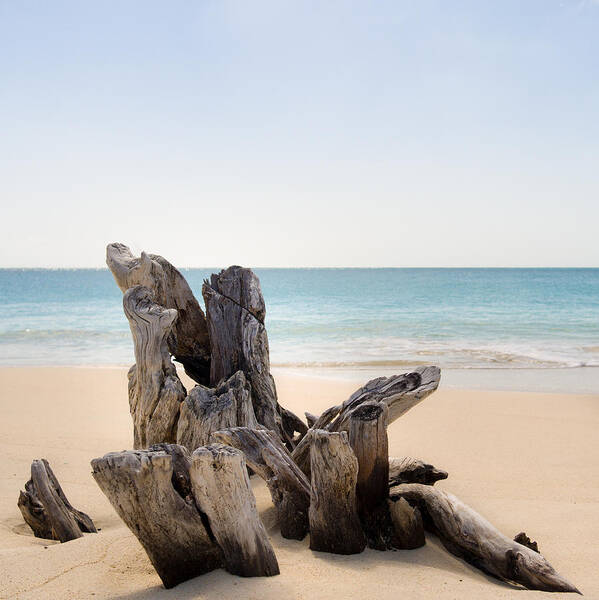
(469, 536)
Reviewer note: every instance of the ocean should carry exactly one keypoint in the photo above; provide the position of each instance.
(333, 318)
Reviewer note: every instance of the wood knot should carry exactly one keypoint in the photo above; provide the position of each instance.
(367, 412)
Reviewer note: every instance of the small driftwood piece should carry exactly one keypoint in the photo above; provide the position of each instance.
(413, 470)
(235, 313)
(221, 486)
(289, 487)
(334, 523)
(188, 342)
(151, 492)
(311, 419)
(400, 393)
(206, 410)
(155, 391)
(470, 537)
(523, 539)
(407, 524)
(368, 440)
(46, 509)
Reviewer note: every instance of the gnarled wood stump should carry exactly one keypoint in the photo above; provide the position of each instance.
(469, 536)
(289, 487)
(221, 487)
(155, 391)
(188, 342)
(154, 501)
(235, 313)
(334, 523)
(206, 410)
(47, 511)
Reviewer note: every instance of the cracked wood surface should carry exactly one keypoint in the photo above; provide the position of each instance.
(235, 313)
(155, 391)
(288, 486)
(206, 410)
(367, 434)
(159, 510)
(334, 523)
(221, 487)
(188, 342)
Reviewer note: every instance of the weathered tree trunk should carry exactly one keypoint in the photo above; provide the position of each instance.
(235, 312)
(188, 342)
(206, 410)
(221, 486)
(155, 391)
(46, 509)
(289, 487)
(368, 439)
(469, 536)
(412, 470)
(334, 523)
(400, 393)
(153, 499)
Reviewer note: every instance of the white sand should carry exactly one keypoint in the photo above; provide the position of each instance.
(526, 461)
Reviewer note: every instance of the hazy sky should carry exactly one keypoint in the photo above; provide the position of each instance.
(276, 133)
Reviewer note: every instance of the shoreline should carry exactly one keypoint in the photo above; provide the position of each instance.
(562, 380)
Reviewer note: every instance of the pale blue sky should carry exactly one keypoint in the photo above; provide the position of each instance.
(275, 133)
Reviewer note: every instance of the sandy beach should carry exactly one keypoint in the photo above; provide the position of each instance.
(526, 461)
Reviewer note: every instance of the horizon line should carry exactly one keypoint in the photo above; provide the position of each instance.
(105, 268)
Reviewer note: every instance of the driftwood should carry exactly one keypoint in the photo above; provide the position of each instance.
(238, 341)
(289, 487)
(221, 486)
(155, 503)
(188, 341)
(334, 523)
(206, 410)
(412, 470)
(407, 524)
(469, 536)
(523, 539)
(196, 512)
(155, 391)
(311, 419)
(368, 439)
(400, 393)
(47, 511)
(192, 513)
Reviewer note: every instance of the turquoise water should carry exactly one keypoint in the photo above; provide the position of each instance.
(460, 318)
